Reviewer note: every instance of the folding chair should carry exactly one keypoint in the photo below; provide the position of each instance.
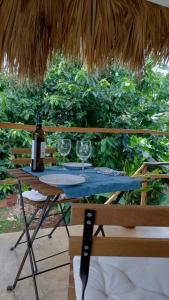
(52, 196)
(127, 246)
(21, 157)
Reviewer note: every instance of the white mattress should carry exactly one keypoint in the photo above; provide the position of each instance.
(117, 278)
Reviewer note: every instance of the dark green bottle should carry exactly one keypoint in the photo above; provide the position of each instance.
(38, 147)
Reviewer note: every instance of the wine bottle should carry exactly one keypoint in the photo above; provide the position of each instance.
(38, 147)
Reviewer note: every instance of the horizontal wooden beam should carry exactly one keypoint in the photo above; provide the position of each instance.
(158, 176)
(27, 161)
(83, 130)
(122, 246)
(29, 150)
(123, 215)
(148, 176)
(17, 126)
(8, 181)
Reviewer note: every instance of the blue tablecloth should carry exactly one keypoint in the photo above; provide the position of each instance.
(95, 183)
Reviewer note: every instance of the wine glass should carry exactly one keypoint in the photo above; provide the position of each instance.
(83, 151)
(64, 147)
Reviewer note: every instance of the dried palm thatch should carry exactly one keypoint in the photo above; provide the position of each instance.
(93, 31)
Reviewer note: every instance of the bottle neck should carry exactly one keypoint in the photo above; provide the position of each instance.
(38, 121)
(38, 126)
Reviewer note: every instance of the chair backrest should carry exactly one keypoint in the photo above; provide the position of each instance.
(21, 156)
(123, 216)
(133, 246)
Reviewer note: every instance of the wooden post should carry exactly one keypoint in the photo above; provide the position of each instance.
(144, 185)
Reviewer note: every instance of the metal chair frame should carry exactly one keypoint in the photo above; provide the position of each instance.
(30, 240)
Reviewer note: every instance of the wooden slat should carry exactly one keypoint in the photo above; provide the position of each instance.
(17, 173)
(83, 130)
(157, 176)
(43, 188)
(20, 150)
(16, 151)
(29, 180)
(143, 193)
(128, 215)
(8, 181)
(21, 161)
(123, 246)
(148, 176)
(27, 161)
(46, 190)
(144, 186)
(34, 183)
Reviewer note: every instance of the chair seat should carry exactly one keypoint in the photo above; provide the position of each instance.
(116, 278)
(37, 198)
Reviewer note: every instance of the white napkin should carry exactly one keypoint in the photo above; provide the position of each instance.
(34, 195)
(109, 171)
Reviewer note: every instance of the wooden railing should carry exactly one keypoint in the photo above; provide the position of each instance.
(83, 130)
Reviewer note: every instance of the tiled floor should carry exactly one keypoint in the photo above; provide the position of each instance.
(52, 285)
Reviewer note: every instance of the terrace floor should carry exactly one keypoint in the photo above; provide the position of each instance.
(51, 285)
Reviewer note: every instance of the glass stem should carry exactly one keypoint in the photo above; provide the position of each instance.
(83, 167)
(63, 160)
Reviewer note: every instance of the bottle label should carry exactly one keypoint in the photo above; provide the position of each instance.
(33, 149)
(42, 149)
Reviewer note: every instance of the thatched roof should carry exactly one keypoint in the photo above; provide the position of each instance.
(93, 31)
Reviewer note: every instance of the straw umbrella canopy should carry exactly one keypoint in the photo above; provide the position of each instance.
(95, 32)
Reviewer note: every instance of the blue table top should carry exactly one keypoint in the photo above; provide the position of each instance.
(96, 183)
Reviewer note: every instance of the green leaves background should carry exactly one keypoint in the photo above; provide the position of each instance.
(70, 97)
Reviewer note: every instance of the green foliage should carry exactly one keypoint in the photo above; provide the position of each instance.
(9, 222)
(70, 97)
